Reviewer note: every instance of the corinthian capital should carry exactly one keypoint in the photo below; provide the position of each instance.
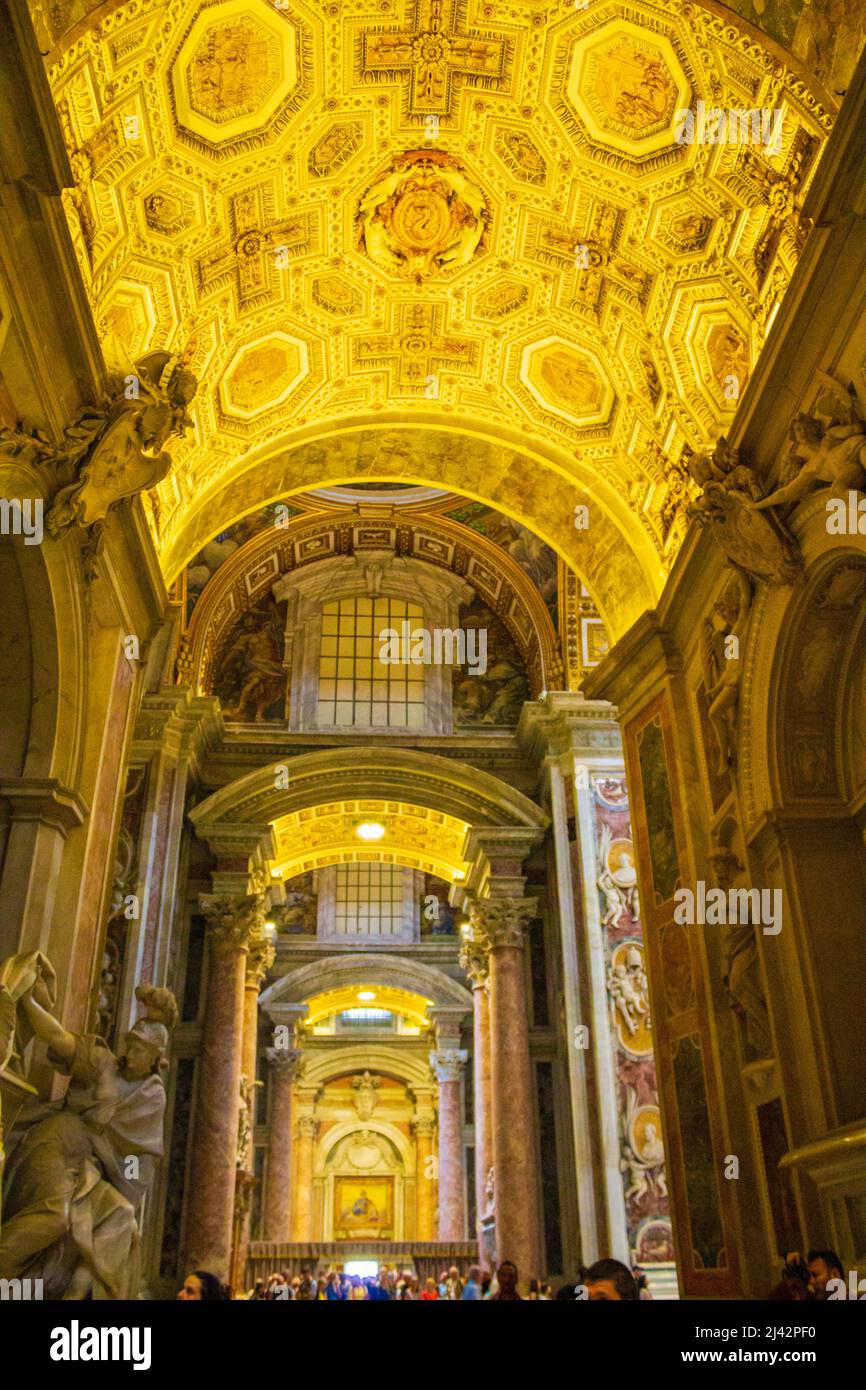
(448, 1066)
(502, 921)
(475, 960)
(260, 957)
(233, 923)
(308, 1126)
(423, 1127)
(285, 1061)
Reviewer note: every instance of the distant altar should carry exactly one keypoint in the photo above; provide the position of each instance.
(425, 1257)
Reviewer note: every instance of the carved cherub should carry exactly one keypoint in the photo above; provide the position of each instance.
(116, 450)
(829, 452)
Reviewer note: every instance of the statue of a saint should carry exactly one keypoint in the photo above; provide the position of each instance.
(78, 1169)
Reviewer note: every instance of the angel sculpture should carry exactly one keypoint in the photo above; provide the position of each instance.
(829, 449)
(729, 507)
(116, 450)
(78, 1169)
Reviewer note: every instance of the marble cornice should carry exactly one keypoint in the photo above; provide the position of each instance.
(439, 950)
(833, 1157)
(564, 722)
(44, 799)
(816, 306)
(820, 818)
(185, 724)
(635, 666)
(230, 838)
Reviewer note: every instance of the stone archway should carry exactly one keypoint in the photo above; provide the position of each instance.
(534, 491)
(397, 971)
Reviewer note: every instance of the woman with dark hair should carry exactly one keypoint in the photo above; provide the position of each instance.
(201, 1287)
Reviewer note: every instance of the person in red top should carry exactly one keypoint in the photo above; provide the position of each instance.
(430, 1292)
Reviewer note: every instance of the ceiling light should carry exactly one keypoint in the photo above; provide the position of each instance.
(366, 994)
(369, 830)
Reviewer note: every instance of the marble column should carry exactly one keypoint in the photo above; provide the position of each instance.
(502, 923)
(260, 958)
(302, 1219)
(277, 1214)
(424, 1128)
(231, 925)
(448, 1069)
(474, 958)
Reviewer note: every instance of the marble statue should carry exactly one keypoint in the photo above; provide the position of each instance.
(78, 1169)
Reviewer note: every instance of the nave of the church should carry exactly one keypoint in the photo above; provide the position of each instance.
(432, 650)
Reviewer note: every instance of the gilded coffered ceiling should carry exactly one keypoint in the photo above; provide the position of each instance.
(436, 215)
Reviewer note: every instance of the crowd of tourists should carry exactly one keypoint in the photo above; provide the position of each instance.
(815, 1278)
(606, 1279)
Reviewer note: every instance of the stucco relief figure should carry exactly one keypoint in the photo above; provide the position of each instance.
(628, 995)
(490, 1192)
(245, 1119)
(828, 449)
(642, 1160)
(365, 1098)
(118, 450)
(114, 450)
(758, 544)
(617, 878)
(78, 1169)
(742, 977)
(724, 635)
(615, 903)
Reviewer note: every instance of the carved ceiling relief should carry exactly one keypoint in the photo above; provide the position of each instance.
(440, 207)
(325, 834)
